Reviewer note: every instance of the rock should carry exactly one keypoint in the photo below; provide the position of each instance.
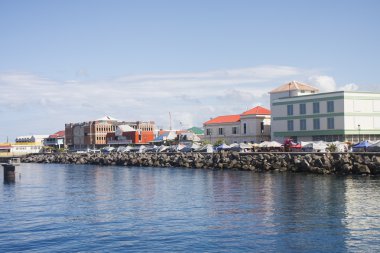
(315, 163)
(361, 169)
(374, 168)
(305, 165)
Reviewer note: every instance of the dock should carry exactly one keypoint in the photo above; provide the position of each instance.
(9, 165)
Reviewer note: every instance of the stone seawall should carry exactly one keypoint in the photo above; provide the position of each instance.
(319, 163)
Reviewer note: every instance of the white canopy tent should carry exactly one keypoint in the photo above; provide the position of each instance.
(270, 144)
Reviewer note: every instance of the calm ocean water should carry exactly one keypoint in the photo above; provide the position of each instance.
(72, 208)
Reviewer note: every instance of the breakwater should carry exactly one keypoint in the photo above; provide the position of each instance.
(319, 163)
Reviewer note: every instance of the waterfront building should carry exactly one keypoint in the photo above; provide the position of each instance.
(197, 130)
(55, 140)
(26, 148)
(125, 134)
(37, 139)
(93, 134)
(250, 126)
(301, 113)
(188, 137)
(28, 144)
(20, 148)
(5, 148)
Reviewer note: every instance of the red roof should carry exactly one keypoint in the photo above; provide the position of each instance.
(258, 110)
(59, 134)
(223, 119)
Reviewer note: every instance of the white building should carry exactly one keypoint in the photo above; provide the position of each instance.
(37, 139)
(250, 126)
(26, 148)
(301, 113)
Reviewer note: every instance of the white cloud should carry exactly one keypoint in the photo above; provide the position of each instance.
(349, 87)
(324, 83)
(192, 98)
(328, 84)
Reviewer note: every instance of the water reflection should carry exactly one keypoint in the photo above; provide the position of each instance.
(362, 195)
(164, 209)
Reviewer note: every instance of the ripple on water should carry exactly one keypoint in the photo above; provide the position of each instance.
(70, 208)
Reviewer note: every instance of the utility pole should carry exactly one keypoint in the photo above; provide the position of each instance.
(170, 121)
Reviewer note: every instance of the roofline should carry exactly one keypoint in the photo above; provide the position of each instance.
(291, 89)
(204, 124)
(256, 115)
(328, 93)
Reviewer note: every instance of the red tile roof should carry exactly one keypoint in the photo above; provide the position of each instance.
(59, 134)
(258, 110)
(223, 119)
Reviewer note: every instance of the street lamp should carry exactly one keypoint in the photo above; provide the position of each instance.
(359, 132)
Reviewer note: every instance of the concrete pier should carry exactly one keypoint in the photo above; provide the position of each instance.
(9, 173)
(9, 168)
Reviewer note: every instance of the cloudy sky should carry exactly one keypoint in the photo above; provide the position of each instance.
(78, 60)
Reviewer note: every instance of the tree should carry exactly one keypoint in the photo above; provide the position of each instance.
(219, 142)
(332, 147)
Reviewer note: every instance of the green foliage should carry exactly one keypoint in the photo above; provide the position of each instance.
(332, 147)
(219, 142)
(205, 142)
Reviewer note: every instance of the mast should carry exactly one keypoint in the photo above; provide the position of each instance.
(170, 121)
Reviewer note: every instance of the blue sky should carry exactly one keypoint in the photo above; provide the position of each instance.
(69, 61)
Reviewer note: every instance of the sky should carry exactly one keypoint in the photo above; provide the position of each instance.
(78, 60)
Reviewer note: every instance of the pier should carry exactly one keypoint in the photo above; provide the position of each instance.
(9, 166)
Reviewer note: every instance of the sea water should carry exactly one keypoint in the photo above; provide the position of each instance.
(85, 208)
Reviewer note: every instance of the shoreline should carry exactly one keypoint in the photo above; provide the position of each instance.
(315, 163)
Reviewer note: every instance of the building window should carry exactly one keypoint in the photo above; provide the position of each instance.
(302, 108)
(290, 125)
(330, 123)
(330, 106)
(221, 131)
(245, 128)
(316, 124)
(234, 130)
(208, 131)
(316, 107)
(303, 124)
(290, 109)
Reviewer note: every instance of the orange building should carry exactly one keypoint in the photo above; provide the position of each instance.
(130, 137)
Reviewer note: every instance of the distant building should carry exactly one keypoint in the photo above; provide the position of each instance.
(250, 126)
(56, 140)
(301, 113)
(196, 130)
(125, 134)
(26, 148)
(24, 145)
(188, 137)
(94, 133)
(36, 139)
